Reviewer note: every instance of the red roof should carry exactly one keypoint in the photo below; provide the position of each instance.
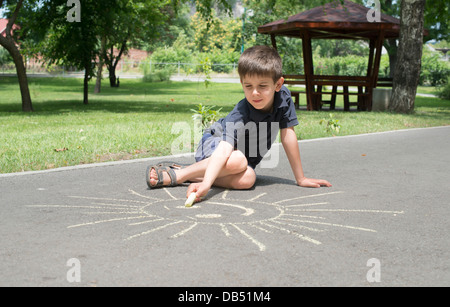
(3, 24)
(340, 20)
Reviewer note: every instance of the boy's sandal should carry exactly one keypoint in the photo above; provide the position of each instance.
(160, 168)
(172, 165)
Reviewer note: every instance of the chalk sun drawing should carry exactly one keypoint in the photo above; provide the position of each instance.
(230, 216)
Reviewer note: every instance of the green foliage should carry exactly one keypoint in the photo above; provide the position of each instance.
(171, 55)
(159, 75)
(444, 91)
(434, 70)
(5, 57)
(216, 33)
(205, 115)
(206, 68)
(332, 124)
(350, 65)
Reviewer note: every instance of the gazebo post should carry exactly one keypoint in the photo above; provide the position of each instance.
(373, 80)
(309, 70)
(379, 48)
(274, 41)
(347, 20)
(371, 53)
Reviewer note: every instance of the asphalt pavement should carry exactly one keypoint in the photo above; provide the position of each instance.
(385, 222)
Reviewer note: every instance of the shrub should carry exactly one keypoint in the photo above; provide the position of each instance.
(218, 56)
(171, 55)
(444, 92)
(157, 75)
(434, 71)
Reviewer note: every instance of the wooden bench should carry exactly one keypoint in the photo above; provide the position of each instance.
(384, 82)
(295, 80)
(363, 94)
(362, 83)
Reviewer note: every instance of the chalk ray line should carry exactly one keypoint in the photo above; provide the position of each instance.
(307, 196)
(261, 246)
(170, 194)
(303, 237)
(111, 212)
(260, 228)
(225, 230)
(306, 205)
(308, 216)
(152, 230)
(117, 205)
(72, 206)
(257, 196)
(224, 194)
(349, 210)
(183, 232)
(143, 196)
(293, 225)
(113, 199)
(107, 221)
(339, 225)
(248, 211)
(145, 222)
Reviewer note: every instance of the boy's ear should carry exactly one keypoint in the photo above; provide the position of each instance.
(279, 84)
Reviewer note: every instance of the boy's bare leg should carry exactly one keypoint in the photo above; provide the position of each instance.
(242, 181)
(236, 165)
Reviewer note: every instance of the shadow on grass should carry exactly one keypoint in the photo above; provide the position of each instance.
(133, 96)
(76, 106)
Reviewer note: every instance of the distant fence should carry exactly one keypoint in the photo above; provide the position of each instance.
(130, 68)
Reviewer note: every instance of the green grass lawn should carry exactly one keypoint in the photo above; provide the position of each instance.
(144, 119)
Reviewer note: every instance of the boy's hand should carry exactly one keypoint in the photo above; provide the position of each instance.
(200, 189)
(313, 183)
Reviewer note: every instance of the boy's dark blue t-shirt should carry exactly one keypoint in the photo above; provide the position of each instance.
(253, 131)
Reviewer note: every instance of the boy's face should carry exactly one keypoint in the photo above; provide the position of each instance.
(260, 91)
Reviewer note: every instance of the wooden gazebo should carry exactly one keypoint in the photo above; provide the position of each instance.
(336, 21)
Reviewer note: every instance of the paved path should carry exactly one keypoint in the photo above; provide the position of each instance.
(385, 222)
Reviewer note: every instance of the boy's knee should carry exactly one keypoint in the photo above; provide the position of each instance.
(237, 163)
(247, 181)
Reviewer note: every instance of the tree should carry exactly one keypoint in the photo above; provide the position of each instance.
(436, 21)
(407, 71)
(11, 43)
(75, 43)
(125, 23)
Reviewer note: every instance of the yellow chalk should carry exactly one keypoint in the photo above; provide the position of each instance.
(190, 201)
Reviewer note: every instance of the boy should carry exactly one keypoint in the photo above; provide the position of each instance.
(227, 156)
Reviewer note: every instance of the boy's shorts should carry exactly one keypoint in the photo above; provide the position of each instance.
(207, 146)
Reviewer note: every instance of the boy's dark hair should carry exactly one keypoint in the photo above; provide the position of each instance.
(261, 61)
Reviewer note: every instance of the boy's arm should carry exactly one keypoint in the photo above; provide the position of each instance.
(290, 145)
(217, 161)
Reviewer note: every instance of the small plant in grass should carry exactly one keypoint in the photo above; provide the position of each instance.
(206, 68)
(205, 115)
(332, 124)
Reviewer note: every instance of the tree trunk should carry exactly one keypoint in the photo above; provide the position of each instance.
(407, 71)
(23, 82)
(86, 84)
(111, 63)
(112, 77)
(98, 83)
(21, 72)
(391, 47)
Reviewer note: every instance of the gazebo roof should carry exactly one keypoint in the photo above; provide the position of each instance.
(334, 21)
